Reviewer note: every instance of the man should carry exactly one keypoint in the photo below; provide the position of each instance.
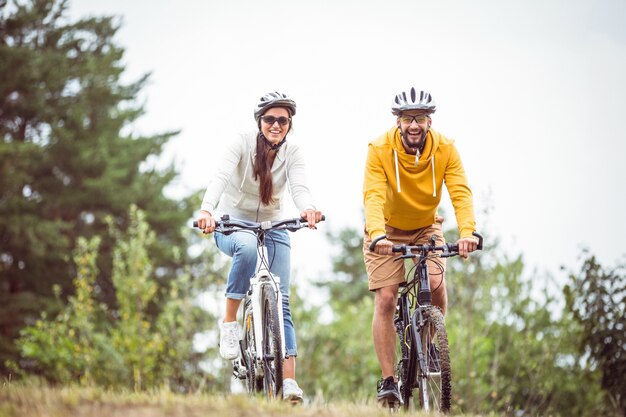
(404, 175)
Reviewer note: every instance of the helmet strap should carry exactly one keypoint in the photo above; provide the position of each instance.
(273, 146)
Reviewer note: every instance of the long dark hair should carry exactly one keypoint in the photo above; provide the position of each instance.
(263, 171)
(262, 168)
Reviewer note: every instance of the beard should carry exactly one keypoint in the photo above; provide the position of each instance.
(414, 142)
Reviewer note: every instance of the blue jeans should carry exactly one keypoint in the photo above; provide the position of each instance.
(242, 247)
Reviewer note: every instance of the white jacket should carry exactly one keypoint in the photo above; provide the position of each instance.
(233, 190)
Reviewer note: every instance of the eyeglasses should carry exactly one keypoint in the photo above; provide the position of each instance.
(270, 120)
(418, 119)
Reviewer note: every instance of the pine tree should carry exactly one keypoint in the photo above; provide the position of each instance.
(68, 158)
(596, 301)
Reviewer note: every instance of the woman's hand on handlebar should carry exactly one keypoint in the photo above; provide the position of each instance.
(467, 245)
(206, 222)
(311, 216)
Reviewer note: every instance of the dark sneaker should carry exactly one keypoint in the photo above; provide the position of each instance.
(388, 392)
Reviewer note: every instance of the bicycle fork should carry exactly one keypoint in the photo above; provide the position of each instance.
(264, 278)
(417, 323)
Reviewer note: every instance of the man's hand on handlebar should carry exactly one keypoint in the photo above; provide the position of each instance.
(467, 245)
(312, 217)
(463, 247)
(206, 222)
(383, 247)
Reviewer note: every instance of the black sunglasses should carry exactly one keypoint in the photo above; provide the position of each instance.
(408, 119)
(270, 120)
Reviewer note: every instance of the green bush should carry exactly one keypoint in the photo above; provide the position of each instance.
(130, 346)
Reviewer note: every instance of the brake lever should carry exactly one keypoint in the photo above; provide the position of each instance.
(407, 256)
(226, 230)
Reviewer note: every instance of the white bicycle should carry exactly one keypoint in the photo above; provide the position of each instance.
(262, 343)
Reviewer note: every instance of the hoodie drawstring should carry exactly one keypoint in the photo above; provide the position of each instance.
(432, 166)
(395, 158)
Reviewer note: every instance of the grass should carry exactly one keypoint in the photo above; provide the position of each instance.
(18, 400)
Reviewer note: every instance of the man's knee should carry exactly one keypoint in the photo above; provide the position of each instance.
(440, 298)
(386, 300)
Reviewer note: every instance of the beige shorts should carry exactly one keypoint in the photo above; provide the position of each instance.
(383, 271)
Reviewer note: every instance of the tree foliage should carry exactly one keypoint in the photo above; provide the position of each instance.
(68, 159)
(596, 299)
(346, 284)
(336, 359)
(513, 347)
(131, 348)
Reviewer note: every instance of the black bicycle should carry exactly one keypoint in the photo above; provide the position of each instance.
(424, 356)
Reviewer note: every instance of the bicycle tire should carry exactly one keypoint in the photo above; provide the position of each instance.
(272, 345)
(406, 369)
(254, 382)
(435, 381)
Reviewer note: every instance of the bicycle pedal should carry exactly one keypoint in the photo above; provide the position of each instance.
(239, 371)
(295, 401)
(391, 403)
(239, 374)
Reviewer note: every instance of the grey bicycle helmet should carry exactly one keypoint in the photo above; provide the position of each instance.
(274, 99)
(413, 100)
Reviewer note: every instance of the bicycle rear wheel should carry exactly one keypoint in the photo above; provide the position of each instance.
(272, 343)
(435, 380)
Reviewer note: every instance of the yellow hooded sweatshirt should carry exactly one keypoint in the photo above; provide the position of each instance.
(405, 195)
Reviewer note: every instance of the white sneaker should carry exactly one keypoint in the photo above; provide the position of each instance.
(229, 340)
(291, 391)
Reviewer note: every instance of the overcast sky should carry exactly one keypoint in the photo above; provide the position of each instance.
(532, 92)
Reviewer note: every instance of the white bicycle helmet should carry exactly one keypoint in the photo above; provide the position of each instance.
(413, 100)
(274, 99)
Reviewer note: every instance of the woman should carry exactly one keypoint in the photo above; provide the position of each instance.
(249, 185)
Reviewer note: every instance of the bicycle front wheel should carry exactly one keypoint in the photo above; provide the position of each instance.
(272, 343)
(435, 376)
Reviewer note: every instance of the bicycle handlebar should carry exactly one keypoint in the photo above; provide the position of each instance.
(228, 225)
(447, 250)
